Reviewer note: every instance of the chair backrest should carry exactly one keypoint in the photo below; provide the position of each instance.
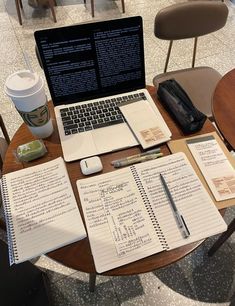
(189, 20)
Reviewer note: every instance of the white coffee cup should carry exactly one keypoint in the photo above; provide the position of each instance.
(26, 90)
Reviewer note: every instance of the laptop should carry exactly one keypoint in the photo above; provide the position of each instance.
(91, 68)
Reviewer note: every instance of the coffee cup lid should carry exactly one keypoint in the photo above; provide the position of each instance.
(22, 83)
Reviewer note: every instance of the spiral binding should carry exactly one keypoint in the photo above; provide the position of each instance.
(149, 209)
(13, 254)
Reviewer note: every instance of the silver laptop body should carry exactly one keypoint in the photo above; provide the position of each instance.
(90, 63)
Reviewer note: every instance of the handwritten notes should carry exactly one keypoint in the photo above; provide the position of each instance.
(127, 220)
(128, 215)
(42, 209)
(117, 222)
(214, 165)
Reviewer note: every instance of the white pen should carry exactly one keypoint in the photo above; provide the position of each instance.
(179, 218)
(139, 159)
(157, 150)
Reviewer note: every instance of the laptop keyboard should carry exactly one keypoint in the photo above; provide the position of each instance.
(94, 115)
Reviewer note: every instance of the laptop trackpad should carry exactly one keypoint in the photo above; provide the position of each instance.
(113, 138)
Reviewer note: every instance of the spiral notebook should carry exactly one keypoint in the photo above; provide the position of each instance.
(128, 215)
(40, 209)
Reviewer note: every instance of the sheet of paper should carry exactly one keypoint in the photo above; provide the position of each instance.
(128, 215)
(151, 130)
(214, 165)
(126, 219)
(42, 210)
(191, 199)
(118, 225)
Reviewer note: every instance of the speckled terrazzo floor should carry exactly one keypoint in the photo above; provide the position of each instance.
(194, 280)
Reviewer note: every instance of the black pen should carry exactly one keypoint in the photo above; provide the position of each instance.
(179, 218)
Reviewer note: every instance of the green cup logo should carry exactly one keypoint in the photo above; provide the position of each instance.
(37, 117)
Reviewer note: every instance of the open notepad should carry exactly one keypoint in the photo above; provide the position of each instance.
(151, 131)
(40, 209)
(128, 215)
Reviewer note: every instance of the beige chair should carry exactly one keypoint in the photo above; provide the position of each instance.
(191, 20)
(19, 7)
(93, 7)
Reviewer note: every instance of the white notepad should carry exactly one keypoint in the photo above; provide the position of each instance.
(128, 215)
(146, 123)
(40, 209)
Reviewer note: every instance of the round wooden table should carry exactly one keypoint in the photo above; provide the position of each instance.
(223, 107)
(78, 255)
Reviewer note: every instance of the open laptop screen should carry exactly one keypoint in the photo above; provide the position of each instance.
(93, 60)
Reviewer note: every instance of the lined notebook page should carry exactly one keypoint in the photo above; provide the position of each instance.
(118, 224)
(41, 210)
(193, 202)
(129, 217)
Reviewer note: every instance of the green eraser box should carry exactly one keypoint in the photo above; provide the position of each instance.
(31, 150)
